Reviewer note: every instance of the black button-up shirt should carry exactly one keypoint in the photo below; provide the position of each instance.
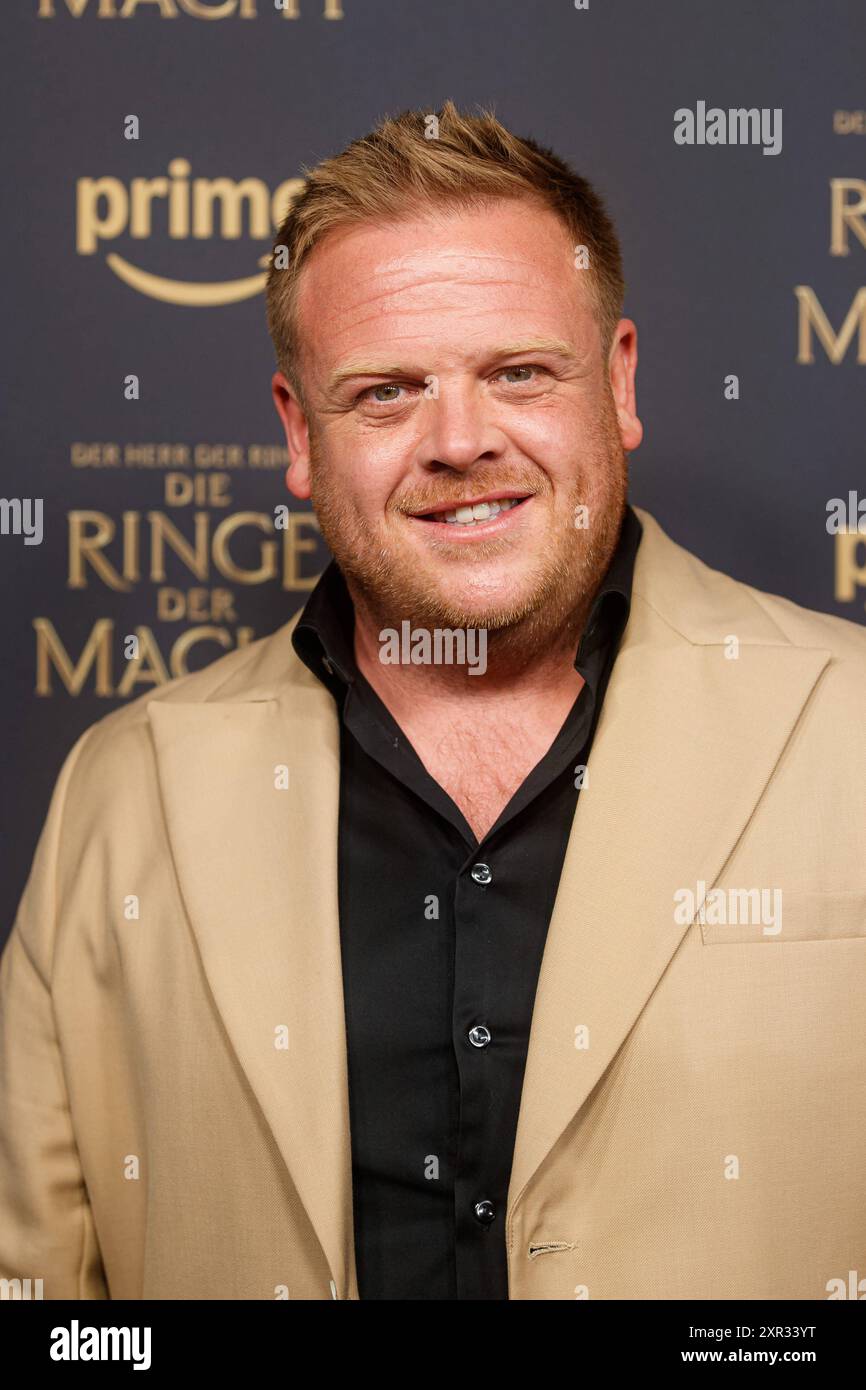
(442, 939)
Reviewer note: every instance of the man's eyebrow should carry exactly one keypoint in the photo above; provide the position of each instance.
(365, 368)
(556, 347)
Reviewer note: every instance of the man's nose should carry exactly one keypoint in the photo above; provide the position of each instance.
(460, 431)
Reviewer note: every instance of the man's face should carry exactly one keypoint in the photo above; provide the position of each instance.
(453, 360)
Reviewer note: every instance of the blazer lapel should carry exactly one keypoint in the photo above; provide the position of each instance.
(685, 744)
(257, 867)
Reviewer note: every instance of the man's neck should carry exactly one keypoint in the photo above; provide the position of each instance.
(507, 678)
(478, 736)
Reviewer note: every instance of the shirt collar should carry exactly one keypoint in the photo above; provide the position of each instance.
(612, 603)
(324, 635)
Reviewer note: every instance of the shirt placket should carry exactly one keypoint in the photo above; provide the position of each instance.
(479, 1197)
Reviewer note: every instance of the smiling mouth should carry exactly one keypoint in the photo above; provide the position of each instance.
(472, 513)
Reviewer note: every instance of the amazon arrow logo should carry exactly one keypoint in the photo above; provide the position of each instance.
(201, 209)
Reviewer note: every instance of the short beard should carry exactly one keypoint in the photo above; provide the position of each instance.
(553, 613)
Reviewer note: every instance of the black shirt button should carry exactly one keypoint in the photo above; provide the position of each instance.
(479, 1036)
(481, 873)
(484, 1212)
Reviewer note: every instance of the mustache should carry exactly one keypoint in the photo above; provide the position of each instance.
(476, 486)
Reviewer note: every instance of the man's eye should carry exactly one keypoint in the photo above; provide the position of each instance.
(526, 369)
(380, 394)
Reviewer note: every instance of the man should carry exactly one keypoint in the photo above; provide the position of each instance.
(373, 962)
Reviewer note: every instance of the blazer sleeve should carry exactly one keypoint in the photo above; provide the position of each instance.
(46, 1224)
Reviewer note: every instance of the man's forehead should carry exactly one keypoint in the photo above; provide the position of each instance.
(509, 238)
(365, 280)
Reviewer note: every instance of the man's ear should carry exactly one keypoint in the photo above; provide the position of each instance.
(622, 366)
(294, 421)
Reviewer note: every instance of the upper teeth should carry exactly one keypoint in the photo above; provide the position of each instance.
(480, 511)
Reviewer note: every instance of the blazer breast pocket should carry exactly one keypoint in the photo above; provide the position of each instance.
(796, 915)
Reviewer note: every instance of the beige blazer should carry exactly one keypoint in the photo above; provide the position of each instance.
(174, 1116)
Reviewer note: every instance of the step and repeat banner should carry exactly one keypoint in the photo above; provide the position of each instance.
(151, 147)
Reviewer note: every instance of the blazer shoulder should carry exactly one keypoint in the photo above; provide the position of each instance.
(250, 671)
(704, 604)
(809, 627)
